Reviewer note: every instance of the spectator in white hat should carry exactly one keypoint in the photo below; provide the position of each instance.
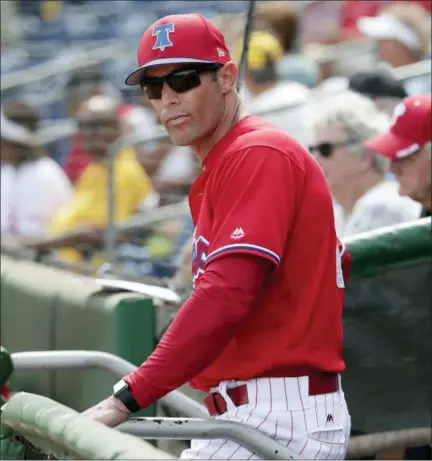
(408, 146)
(402, 33)
(356, 177)
(33, 185)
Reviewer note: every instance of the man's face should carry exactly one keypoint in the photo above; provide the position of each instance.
(340, 166)
(394, 52)
(98, 131)
(386, 104)
(191, 116)
(7, 151)
(414, 175)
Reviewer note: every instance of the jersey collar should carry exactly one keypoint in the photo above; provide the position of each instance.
(220, 147)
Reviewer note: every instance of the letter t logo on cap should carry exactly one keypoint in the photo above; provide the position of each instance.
(162, 33)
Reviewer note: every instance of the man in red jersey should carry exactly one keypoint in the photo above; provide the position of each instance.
(262, 331)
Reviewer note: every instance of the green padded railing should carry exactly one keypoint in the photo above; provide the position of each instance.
(59, 430)
(46, 309)
(376, 251)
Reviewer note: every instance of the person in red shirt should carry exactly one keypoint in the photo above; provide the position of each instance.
(79, 89)
(262, 331)
(352, 10)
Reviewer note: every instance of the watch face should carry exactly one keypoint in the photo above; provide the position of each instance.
(119, 386)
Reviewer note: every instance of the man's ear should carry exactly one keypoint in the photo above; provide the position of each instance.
(227, 76)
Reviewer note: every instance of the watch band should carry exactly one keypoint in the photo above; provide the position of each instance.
(123, 393)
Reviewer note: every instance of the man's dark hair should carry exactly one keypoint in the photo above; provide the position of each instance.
(23, 114)
(89, 76)
(377, 84)
(81, 86)
(283, 22)
(27, 116)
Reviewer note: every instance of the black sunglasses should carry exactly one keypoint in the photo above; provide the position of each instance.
(325, 149)
(180, 80)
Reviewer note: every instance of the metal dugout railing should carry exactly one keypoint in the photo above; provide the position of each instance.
(200, 426)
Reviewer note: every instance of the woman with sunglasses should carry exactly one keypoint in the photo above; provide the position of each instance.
(366, 197)
(262, 332)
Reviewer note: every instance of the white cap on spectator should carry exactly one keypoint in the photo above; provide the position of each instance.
(140, 122)
(387, 27)
(14, 132)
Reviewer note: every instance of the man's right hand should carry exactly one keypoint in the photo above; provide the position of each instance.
(110, 412)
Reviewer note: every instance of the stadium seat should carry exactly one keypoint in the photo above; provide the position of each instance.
(13, 60)
(237, 6)
(107, 28)
(53, 30)
(133, 26)
(82, 27)
(85, 24)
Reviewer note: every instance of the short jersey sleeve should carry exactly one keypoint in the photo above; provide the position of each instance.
(253, 197)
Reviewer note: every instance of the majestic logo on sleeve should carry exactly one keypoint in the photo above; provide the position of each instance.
(238, 233)
(162, 34)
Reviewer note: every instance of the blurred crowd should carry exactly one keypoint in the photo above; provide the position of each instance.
(369, 129)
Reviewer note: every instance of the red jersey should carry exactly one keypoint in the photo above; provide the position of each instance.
(262, 193)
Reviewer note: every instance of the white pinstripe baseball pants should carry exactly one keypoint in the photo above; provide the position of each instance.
(315, 427)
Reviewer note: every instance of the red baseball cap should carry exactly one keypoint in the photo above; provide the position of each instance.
(410, 129)
(179, 38)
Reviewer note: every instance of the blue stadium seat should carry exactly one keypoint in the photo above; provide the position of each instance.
(112, 7)
(86, 23)
(81, 27)
(29, 7)
(35, 61)
(43, 50)
(237, 6)
(107, 28)
(48, 30)
(12, 60)
(132, 27)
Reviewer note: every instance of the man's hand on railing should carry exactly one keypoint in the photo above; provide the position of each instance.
(110, 412)
(90, 235)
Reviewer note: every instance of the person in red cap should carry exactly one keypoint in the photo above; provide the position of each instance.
(408, 146)
(262, 331)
